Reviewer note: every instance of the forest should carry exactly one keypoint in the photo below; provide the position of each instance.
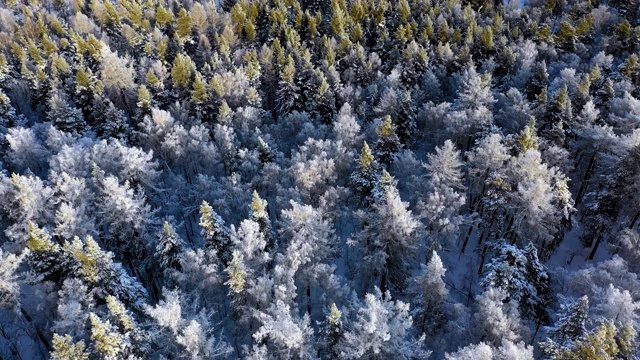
(319, 179)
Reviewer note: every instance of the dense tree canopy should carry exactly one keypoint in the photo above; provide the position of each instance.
(302, 179)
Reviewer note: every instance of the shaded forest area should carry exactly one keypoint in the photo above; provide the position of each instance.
(309, 179)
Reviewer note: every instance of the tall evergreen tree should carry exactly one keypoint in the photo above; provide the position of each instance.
(216, 236)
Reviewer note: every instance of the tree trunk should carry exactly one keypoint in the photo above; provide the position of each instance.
(40, 335)
(466, 239)
(383, 282)
(513, 216)
(484, 255)
(14, 349)
(536, 332)
(585, 178)
(309, 299)
(595, 248)
(633, 221)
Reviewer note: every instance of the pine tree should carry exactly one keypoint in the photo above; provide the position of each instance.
(568, 329)
(237, 274)
(46, 257)
(182, 72)
(364, 179)
(388, 144)
(528, 139)
(64, 116)
(288, 89)
(107, 342)
(388, 238)
(266, 154)
(258, 213)
(332, 333)
(559, 111)
(444, 201)
(169, 247)
(216, 236)
(105, 276)
(474, 103)
(430, 293)
(522, 278)
(184, 26)
(110, 122)
(538, 82)
(406, 121)
(497, 319)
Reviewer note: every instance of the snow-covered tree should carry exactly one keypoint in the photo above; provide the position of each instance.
(216, 236)
(382, 328)
(568, 328)
(363, 179)
(9, 285)
(64, 116)
(444, 200)
(498, 319)
(258, 213)
(332, 332)
(388, 143)
(430, 295)
(522, 277)
(126, 213)
(311, 246)
(388, 238)
(480, 351)
(285, 334)
(169, 247)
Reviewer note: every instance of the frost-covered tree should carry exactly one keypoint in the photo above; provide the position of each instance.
(332, 332)
(214, 233)
(126, 213)
(107, 277)
(45, 257)
(169, 247)
(498, 319)
(473, 107)
(64, 116)
(285, 334)
(388, 238)
(479, 351)
(388, 143)
(183, 331)
(64, 348)
(74, 305)
(522, 277)
(363, 179)
(430, 296)
(258, 213)
(9, 285)
(346, 128)
(570, 327)
(311, 246)
(444, 199)
(382, 328)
